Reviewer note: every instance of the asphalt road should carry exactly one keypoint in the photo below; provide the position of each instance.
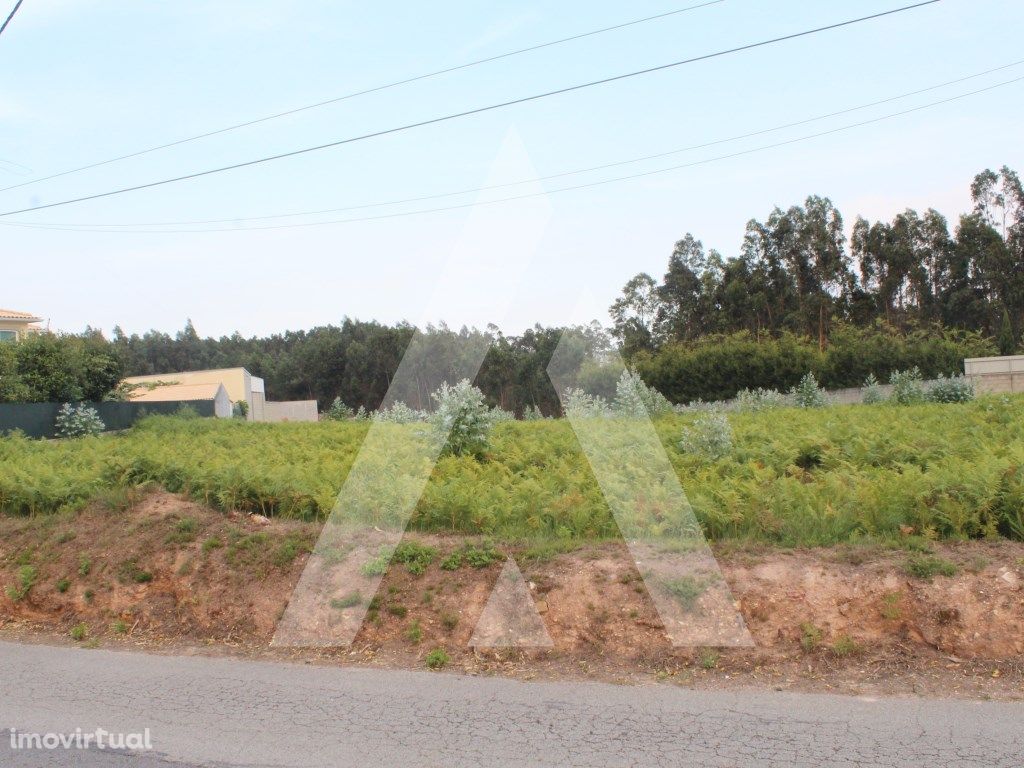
(217, 712)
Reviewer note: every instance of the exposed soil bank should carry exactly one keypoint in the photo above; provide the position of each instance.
(167, 573)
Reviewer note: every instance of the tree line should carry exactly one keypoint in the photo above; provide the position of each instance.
(795, 272)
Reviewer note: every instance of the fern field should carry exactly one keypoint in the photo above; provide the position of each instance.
(790, 476)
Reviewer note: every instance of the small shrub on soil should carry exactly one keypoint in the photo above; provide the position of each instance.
(378, 565)
(449, 621)
(119, 627)
(414, 634)
(129, 571)
(687, 590)
(211, 544)
(398, 610)
(929, 566)
(63, 585)
(437, 658)
(890, 609)
(184, 531)
(348, 601)
(414, 556)
(26, 579)
(246, 549)
(810, 636)
(708, 658)
(79, 632)
(66, 536)
(84, 565)
(482, 556)
(286, 552)
(845, 646)
(88, 595)
(452, 562)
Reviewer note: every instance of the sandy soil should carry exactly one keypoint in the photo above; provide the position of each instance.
(169, 575)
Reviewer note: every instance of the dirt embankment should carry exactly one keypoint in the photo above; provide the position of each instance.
(166, 572)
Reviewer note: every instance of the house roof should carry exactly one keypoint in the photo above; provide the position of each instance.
(10, 314)
(172, 392)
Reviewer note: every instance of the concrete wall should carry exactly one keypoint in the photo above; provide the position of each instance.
(996, 375)
(291, 410)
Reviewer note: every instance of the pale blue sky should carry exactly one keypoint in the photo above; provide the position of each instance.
(81, 81)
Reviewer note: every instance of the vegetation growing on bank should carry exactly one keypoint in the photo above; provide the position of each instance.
(794, 476)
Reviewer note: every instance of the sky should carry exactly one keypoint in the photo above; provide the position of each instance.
(82, 81)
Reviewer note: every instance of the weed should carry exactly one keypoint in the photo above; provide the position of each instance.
(708, 658)
(84, 565)
(27, 576)
(289, 549)
(378, 565)
(977, 564)
(79, 632)
(449, 621)
(88, 595)
(437, 658)
(548, 549)
(398, 610)
(452, 562)
(63, 585)
(211, 544)
(687, 590)
(414, 634)
(810, 636)
(414, 556)
(129, 571)
(482, 556)
(246, 549)
(890, 609)
(184, 531)
(927, 567)
(66, 536)
(375, 603)
(348, 601)
(120, 627)
(845, 646)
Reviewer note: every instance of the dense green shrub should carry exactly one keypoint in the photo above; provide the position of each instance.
(719, 367)
(48, 368)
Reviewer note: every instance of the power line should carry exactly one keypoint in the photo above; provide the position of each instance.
(467, 113)
(587, 185)
(562, 174)
(10, 16)
(375, 89)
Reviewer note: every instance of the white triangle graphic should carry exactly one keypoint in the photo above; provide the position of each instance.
(510, 618)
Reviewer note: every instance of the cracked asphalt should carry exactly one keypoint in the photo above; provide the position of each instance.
(221, 712)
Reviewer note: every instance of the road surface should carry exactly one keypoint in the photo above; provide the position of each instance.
(219, 712)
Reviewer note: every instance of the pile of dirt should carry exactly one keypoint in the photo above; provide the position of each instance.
(157, 568)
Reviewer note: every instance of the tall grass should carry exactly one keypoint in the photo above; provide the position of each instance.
(793, 476)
